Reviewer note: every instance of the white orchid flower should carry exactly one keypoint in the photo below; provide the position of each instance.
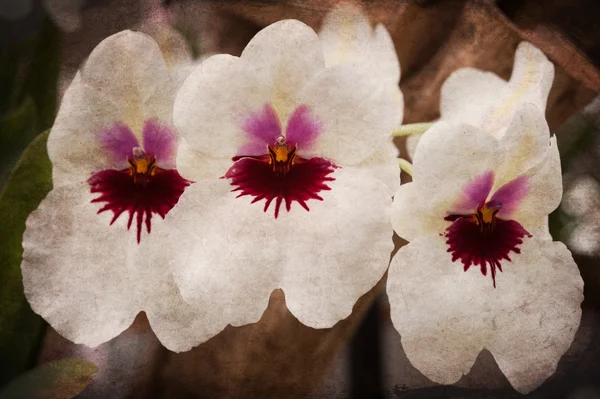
(484, 100)
(478, 206)
(113, 149)
(290, 189)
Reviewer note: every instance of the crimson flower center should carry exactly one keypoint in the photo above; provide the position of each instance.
(483, 238)
(280, 175)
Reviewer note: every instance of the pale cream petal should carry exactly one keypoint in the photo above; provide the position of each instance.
(467, 94)
(337, 251)
(238, 254)
(85, 292)
(439, 310)
(74, 140)
(382, 53)
(525, 143)
(211, 107)
(411, 145)
(545, 190)
(530, 82)
(356, 111)
(130, 70)
(285, 55)
(448, 157)
(345, 33)
(412, 221)
(226, 256)
(196, 165)
(538, 310)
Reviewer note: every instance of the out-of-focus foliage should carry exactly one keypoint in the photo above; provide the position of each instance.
(20, 328)
(61, 379)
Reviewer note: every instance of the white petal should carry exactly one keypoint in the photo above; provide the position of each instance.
(467, 94)
(530, 81)
(339, 250)
(345, 33)
(233, 253)
(448, 157)
(545, 190)
(226, 257)
(73, 143)
(173, 46)
(382, 53)
(78, 271)
(409, 219)
(357, 112)
(129, 68)
(285, 55)
(178, 325)
(196, 165)
(211, 106)
(538, 311)
(439, 310)
(525, 143)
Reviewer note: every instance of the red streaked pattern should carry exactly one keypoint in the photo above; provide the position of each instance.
(120, 193)
(256, 177)
(477, 243)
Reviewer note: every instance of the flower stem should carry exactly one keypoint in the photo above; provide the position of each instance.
(405, 166)
(410, 129)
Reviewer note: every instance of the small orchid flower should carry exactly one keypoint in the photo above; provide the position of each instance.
(289, 192)
(481, 270)
(484, 100)
(88, 264)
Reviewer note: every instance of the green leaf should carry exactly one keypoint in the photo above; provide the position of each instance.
(17, 129)
(20, 328)
(61, 379)
(41, 81)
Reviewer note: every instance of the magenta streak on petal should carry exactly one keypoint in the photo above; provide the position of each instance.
(475, 193)
(262, 128)
(118, 141)
(120, 193)
(510, 195)
(303, 182)
(302, 128)
(160, 141)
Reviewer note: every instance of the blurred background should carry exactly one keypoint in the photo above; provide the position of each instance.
(43, 43)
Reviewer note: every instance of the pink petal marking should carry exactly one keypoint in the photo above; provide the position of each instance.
(475, 193)
(262, 128)
(510, 195)
(302, 128)
(118, 142)
(160, 141)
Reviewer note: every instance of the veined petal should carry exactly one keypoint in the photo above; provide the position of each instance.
(215, 103)
(323, 278)
(439, 310)
(61, 274)
(467, 94)
(285, 55)
(448, 158)
(544, 193)
(130, 70)
(538, 310)
(409, 219)
(76, 152)
(356, 111)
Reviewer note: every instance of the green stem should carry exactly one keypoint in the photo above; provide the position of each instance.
(410, 129)
(405, 166)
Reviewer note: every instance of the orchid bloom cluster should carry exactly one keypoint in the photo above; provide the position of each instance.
(192, 192)
(481, 270)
